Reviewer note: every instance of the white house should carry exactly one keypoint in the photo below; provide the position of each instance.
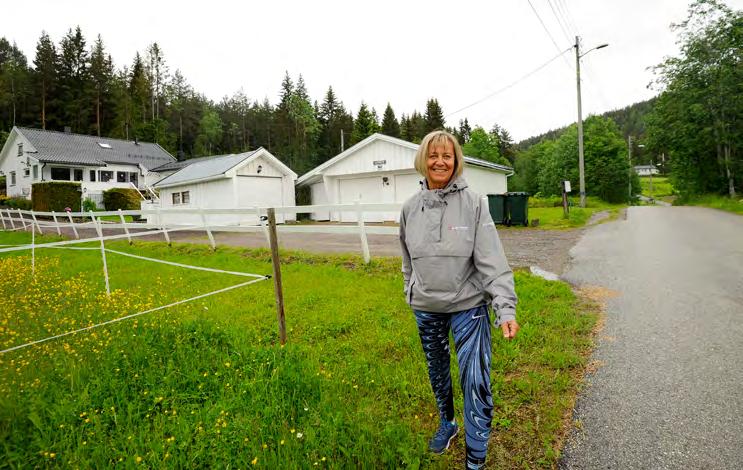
(98, 163)
(380, 169)
(646, 170)
(245, 180)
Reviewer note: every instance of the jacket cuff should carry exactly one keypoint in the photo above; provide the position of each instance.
(504, 315)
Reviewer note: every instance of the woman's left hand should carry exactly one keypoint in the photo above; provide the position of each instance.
(509, 329)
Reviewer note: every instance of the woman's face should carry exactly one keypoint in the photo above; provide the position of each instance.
(440, 164)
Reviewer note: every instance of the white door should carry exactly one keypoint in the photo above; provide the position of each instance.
(366, 190)
(405, 186)
(256, 191)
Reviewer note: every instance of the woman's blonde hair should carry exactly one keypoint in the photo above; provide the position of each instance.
(438, 137)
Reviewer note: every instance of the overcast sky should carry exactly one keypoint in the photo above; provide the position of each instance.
(402, 52)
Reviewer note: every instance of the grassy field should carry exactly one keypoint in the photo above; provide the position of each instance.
(716, 201)
(551, 217)
(206, 384)
(662, 187)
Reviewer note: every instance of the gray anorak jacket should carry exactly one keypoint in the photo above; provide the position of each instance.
(452, 257)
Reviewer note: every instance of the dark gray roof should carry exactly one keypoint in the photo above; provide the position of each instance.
(208, 167)
(78, 149)
(177, 165)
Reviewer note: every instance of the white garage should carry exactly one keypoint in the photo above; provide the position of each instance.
(246, 180)
(380, 169)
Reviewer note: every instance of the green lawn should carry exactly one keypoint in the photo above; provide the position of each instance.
(716, 201)
(206, 384)
(552, 217)
(662, 187)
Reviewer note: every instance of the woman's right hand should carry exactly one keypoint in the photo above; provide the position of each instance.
(509, 329)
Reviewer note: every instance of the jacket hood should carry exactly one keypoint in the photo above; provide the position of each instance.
(454, 185)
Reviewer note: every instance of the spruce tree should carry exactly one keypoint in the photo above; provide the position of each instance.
(390, 126)
(74, 81)
(45, 75)
(365, 124)
(434, 117)
(101, 75)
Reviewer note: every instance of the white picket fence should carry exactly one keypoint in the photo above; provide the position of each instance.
(160, 221)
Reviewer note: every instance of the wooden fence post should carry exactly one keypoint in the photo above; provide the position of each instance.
(2, 217)
(23, 221)
(273, 239)
(208, 231)
(56, 223)
(33, 252)
(10, 217)
(126, 229)
(362, 233)
(99, 229)
(162, 226)
(72, 224)
(33, 216)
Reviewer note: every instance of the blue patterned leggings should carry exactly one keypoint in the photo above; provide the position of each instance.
(471, 330)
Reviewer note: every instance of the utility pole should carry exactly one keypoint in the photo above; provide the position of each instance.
(629, 159)
(581, 168)
(342, 144)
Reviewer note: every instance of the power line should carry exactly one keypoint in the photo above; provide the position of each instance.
(559, 21)
(566, 14)
(548, 32)
(510, 85)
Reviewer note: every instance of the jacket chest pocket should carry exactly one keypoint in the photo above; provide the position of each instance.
(458, 239)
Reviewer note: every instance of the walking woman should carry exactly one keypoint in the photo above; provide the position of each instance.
(454, 268)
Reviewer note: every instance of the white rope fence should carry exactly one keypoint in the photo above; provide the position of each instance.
(127, 317)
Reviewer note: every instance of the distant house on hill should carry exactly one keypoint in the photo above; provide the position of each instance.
(646, 170)
(98, 163)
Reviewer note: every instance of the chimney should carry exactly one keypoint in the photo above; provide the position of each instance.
(67, 130)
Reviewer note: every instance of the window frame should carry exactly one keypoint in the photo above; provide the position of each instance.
(176, 198)
(123, 175)
(13, 180)
(35, 172)
(52, 170)
(26, 172)
(93, 176)
(186, 197)
(108, 173)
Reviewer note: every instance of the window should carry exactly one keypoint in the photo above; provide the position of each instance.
(176, 198)
(133, 178)
(12, 178)
(20, 150)
(92, 175)
(60, 174)
(78, 174)
(186, 197)
(26, 172)
(121, 177)
(106, 176)
(36, 172)
(104, 145)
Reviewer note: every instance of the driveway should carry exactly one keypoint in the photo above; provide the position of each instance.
(668, 392)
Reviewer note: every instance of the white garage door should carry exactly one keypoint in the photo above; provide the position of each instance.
(406, 185)
(257, 191)
(366, 190)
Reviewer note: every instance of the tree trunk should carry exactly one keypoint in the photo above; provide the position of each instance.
(98, 111)
(730, 175)
(43, 105)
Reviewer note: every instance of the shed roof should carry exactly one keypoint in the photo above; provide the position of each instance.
(208, 168)
(88, 150)
(317, 171)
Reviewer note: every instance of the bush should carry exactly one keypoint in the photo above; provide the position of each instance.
(56, 195)
(126, 199)
(89, 205)
(15, 203)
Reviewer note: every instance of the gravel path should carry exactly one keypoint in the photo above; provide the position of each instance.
(667, 393)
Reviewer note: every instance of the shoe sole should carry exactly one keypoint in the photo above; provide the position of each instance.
(448, 443)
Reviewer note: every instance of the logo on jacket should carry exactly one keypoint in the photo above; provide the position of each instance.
(458, 228)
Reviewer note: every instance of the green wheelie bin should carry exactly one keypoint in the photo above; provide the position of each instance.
(517, 207)
(497, 205)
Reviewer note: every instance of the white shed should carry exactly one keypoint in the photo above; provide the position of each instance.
(245, 180)
(380, 169)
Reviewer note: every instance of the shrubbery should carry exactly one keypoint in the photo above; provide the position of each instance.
(125, 199)
(56, 196)
(15, 202)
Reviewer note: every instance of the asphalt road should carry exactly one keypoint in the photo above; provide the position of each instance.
(669, 389)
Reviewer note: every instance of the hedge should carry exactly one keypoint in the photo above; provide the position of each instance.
(126, 199)
(15, 203)
(56, 196)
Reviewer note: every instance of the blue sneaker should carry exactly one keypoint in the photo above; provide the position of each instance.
(441, 440)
